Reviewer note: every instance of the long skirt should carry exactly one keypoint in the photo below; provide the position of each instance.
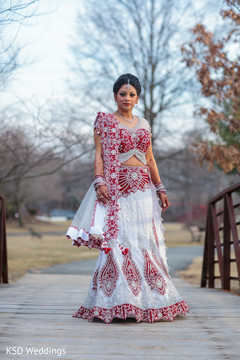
(136, 284)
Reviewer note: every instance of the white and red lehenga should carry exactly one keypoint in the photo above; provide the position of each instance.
(131, 277)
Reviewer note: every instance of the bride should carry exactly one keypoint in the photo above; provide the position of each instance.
(120, 215)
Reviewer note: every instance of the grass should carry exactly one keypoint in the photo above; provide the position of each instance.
(176, 234)
(25, 253)
(193, 274)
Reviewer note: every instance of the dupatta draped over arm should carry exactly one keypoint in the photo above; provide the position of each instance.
(110, 140)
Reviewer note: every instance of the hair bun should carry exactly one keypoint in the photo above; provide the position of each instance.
(128, 79)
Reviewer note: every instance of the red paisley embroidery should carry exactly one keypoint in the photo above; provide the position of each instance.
(109, 275)
(125, 310)
(94, 281)
(160, 263)
(152, 275)
(131, 274)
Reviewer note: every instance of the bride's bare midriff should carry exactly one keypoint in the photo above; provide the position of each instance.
(133, 161)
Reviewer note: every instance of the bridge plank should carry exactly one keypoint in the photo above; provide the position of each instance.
(37, 311)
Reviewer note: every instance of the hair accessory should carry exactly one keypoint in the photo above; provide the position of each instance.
(128, 84)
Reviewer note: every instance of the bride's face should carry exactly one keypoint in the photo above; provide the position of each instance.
(126, 98)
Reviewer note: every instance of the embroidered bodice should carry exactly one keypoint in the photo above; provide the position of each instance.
(118, 139)
(134, 141)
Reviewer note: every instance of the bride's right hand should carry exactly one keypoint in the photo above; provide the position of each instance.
(103, 195)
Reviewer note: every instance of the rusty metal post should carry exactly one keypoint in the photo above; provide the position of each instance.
(3, 244)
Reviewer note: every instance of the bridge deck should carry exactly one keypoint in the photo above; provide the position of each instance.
(37, 312)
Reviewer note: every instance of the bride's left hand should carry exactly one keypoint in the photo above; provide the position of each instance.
(164, 200)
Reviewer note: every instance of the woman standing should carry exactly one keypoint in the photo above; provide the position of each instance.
(121, 216)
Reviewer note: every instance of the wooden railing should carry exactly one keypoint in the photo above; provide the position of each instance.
(3, 244)
(222, 244)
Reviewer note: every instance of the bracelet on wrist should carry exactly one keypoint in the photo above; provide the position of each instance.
(98, 180)
(98, 176)
(160, 187)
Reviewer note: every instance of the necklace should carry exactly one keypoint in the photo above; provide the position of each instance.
(130, 121)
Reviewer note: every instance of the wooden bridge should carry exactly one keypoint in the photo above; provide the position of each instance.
(36, 316)
(222, 239)
(36, 312)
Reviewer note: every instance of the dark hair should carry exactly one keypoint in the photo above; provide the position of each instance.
(125, 79)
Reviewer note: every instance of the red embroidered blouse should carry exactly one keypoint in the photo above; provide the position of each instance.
(134, 141)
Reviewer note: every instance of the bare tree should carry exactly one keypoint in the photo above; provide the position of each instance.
(34, 141)
(138, 36)
(28, 153)
(39, 149)
(23, 197)
(15, 13)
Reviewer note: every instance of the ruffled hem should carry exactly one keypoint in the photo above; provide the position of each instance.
(83, 238)
(127, 310)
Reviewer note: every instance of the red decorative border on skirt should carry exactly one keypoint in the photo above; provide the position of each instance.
(126, 310)
(92, 243)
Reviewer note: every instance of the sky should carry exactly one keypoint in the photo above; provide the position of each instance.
(46, 54)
